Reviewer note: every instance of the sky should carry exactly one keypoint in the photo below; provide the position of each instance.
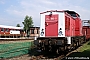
(13, 12)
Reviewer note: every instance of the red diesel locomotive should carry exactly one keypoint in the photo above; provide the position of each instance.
(59, 31)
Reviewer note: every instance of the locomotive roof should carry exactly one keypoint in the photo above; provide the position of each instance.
(12, 27)
(69, 12)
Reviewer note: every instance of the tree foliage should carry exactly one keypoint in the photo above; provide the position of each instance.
(28, 22)
(18, 25)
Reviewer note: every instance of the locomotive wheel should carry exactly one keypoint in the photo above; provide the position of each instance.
(47, 48)
(61, 50)
(72, 47)
(77, 44)
(54, 49)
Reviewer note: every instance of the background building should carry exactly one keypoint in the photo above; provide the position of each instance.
(34, 31)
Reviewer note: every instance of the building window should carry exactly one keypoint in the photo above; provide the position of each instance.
(17, 30)
(7, 30)
(2, 29)
(32, 31)
(37, 31)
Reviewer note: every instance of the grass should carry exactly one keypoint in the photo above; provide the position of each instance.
(83, 51)
(85, 47)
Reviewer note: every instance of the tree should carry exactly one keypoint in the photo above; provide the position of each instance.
(28, 22)
(18, 25)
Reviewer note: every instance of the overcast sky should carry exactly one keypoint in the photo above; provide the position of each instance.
(13, 12)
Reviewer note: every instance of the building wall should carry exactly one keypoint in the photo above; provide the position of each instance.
(33, 31)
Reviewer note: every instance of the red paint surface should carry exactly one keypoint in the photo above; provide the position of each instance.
(51, 25)
(86, 31)
(78, 26)
(69, 26)
(73, 26)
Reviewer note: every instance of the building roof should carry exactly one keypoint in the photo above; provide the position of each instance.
(12, 27)
(34, 27)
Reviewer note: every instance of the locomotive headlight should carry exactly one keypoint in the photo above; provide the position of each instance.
(42, 32)
(47, 24)
(60, 32)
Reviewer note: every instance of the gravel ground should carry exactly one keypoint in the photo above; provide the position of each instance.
(27, 57)
(24, 57)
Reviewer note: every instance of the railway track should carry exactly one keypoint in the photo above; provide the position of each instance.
(51, 56)
(15, 39)
(47, 56)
